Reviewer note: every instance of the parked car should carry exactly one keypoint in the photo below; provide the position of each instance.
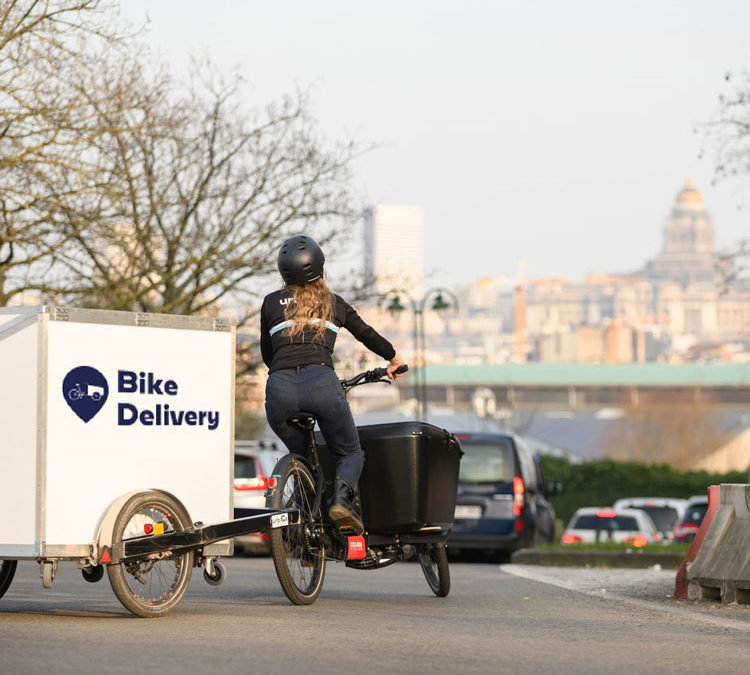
(502, 502)
(664, 511)
(687, 527)
(594, 524)
(253, 464)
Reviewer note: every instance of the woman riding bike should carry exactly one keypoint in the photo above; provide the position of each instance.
(298, 328)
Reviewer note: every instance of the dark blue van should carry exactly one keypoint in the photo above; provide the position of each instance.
(503, 502)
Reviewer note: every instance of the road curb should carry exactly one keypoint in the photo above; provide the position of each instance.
(574, 558)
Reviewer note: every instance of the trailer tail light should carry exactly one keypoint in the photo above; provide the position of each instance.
(519, 500)
(570, 538)
(148, 528)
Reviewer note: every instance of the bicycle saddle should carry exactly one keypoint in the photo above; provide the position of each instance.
(304, 421)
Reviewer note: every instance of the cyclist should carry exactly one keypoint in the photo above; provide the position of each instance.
(299, 325)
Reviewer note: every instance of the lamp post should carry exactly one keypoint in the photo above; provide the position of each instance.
(417, 306)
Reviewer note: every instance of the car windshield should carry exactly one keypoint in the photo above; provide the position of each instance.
(244, 467)
(594, 522)
(664, 517)
(695, 513)
(486, 462)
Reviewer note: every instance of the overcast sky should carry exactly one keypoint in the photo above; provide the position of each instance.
(553, 132)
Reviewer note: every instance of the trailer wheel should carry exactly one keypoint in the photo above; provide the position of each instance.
(152, 585)
(216, 578)
(7, 571)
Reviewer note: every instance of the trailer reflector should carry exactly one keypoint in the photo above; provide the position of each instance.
(106, 558)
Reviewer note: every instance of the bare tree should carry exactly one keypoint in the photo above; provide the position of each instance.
(197, 193)
(123, 188)
(729, 129)
(43, 125)
(728, 134)
(678, 434)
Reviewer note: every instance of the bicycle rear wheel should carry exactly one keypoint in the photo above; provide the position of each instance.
(434, 562)
(299, 567)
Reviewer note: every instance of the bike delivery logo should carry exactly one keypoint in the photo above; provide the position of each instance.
(142, 399)
(85, 391)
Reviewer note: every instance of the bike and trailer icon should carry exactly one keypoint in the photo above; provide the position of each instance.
(84, 390)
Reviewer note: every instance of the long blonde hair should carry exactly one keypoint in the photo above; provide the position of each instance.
(311, 309)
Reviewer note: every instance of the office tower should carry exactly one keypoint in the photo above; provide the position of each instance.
(394, 248)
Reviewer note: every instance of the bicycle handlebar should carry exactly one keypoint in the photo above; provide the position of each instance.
(374, 375)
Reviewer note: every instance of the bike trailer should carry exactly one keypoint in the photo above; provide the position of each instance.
(117, 447)
(97, 404)
(410, 478)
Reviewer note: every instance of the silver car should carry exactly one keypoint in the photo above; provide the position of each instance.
(604, 524)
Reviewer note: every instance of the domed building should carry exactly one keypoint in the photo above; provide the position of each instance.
(688, 254)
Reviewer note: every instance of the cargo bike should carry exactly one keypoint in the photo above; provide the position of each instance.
(407, 494)
(117, 435)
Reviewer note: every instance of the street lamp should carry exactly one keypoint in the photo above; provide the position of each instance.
(395, 307)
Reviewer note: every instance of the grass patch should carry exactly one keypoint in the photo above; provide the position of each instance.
(678, 547)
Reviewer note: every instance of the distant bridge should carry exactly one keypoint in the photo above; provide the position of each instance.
(588, 386)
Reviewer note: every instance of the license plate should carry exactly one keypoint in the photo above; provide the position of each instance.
(466, 511)
(280, 520)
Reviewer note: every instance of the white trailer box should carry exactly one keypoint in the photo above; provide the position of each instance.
(97, 404)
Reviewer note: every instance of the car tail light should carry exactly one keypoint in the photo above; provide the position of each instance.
(519, 500)
(258, 483)
(684, 529)
(606, 513)
(638, 540)
(570, 538)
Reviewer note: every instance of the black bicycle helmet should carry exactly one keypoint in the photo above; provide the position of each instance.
(300, 260)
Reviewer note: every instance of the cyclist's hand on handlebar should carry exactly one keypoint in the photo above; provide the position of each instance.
(396, 368)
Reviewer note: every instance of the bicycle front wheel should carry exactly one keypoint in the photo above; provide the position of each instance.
(300, 565)
(153, 585)
(7, 572)
(434, 562)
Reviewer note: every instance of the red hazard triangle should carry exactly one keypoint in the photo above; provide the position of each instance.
(105, 557)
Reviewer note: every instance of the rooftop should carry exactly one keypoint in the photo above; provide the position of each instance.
(628, 374)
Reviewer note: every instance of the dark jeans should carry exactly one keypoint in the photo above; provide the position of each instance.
(315, 389)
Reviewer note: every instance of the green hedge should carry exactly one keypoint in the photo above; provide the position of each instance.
(601, 482)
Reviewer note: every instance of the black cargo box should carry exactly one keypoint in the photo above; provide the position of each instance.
(410, 477)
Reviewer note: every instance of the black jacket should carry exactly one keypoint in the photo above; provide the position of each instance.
(280, 351)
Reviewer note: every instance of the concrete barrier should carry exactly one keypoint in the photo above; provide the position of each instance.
(681, 586)
(721, 569)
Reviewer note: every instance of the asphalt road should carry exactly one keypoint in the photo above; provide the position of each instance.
(496, 620)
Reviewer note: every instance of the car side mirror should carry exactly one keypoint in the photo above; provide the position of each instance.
(554, 487)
